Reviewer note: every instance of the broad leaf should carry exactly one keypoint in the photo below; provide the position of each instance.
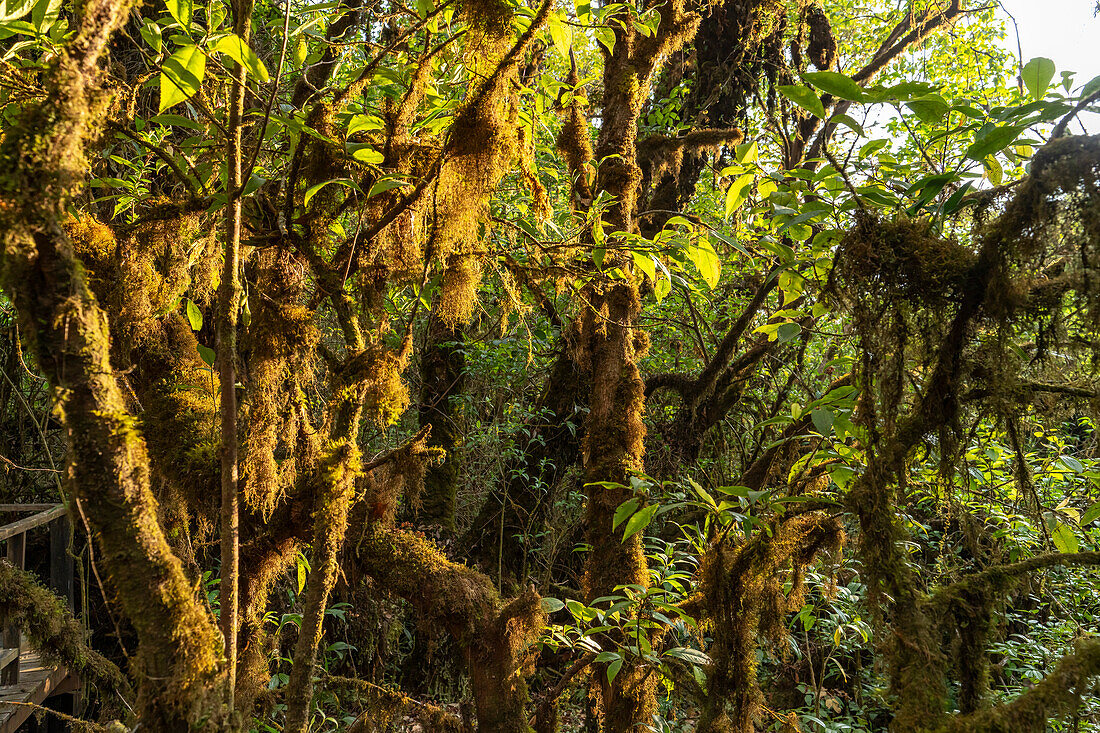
(822, 420)
(804, 97)
(1036, 76)
(639, 521)
(738, 192)
(207, 354)
(930, 108)
(991, 139)
(644, 262)
(836, 84)
(194, 315)
(1064, 539)
(15, 9)
(706, 259)
(626, 509)
(235, 48)
(182, 10)
(562, 35)
(312, 191)
(181, 76)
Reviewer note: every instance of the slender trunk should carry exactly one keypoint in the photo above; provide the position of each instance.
(335, 476)
(442, 374)
(228, 299)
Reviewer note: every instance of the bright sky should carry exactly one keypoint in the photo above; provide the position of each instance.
(1062, 30)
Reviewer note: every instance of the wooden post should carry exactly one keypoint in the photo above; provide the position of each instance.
(61, 561)
(12, 637)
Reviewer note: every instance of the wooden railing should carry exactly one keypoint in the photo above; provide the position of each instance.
(14, 536)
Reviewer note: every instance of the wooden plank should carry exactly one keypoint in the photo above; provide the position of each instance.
(17, 528)
(7, 656)
(38, 683)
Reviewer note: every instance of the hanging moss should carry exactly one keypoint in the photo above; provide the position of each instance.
(277, 340)
(822, 45)
(386, 397)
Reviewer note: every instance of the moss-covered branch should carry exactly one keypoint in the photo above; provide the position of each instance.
(1059, 693)
(494, 636)
(51, 628)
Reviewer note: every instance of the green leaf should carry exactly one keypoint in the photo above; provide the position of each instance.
(1091, 514)
(312, 191)
(930, 108)
(661, 288)
(1064, 539)
(788, 331)
(550, 605)
(181, 76)
(562, 35)
(606, 37)
(365, 153)
(836, 84)
(644, 262)
(847, 120)
(45, 14)
(691, 656)
(706, 259)
(171, 120)
(302, 569)
(359, 123)
(624, 510)
(822, 420)
(15, 9)
(1036, 76)
(746, 153)
(386, 183)
(207, 355)
(991, 139)
(639, 521)
(613, 670)
(805, 98)
(151, 32)
(737, 192)
(1091, 86)
(194, 315)
(235, 48)
(182, 10)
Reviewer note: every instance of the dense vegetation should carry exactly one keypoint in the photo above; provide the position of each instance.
(470, 365)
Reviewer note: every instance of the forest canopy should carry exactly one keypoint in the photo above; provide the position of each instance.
(476, 365)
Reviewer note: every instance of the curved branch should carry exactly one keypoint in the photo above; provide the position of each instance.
(1059, 692)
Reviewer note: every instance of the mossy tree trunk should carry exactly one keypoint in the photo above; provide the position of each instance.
(610, 343)
(613, 453)
(177, 663)
(442, 379)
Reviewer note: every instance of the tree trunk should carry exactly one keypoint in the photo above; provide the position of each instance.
(443, 379)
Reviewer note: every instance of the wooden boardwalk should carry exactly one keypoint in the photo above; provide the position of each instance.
(37, 681)
(24, 677)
